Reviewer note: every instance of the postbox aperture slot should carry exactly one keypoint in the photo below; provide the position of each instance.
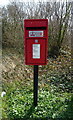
(35, 28)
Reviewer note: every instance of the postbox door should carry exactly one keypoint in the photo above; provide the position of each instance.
(36, 51)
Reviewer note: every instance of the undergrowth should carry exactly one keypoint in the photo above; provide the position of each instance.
(55, 97)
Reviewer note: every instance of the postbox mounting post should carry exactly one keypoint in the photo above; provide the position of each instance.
(35, 85)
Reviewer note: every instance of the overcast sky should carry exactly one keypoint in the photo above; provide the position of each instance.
(5, 2)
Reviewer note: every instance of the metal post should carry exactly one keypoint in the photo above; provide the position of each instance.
(35, 84)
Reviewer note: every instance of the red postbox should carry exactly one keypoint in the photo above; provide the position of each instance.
(35, 41)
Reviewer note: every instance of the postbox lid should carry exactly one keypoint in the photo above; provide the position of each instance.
(36, 23)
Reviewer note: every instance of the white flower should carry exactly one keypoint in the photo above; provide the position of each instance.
(3, 93)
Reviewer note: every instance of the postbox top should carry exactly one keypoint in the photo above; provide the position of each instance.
(35, 22)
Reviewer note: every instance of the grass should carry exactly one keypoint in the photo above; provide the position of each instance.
(19, 105)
